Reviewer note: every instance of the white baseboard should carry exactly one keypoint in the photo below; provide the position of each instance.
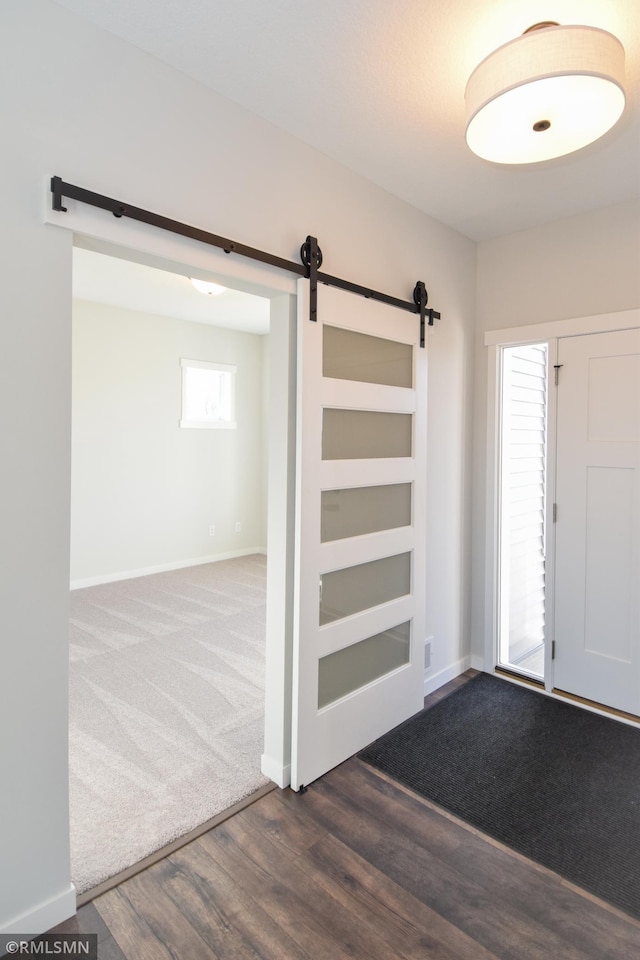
(275, 771)
(44, 916)
(162, 568)
(438, 679)
(477, 662)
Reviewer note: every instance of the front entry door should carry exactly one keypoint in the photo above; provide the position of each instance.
(360, 551)
(597, 583)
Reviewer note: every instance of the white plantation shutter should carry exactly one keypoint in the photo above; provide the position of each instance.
(523, 455)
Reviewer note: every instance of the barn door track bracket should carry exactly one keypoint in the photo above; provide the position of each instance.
(310, 252)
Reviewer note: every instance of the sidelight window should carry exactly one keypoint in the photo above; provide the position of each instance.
(523, 456)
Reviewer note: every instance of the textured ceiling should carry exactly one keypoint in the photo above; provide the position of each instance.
(379, 86)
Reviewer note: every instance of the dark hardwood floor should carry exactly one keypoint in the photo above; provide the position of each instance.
(356, 867)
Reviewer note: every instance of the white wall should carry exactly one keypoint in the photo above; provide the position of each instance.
(79, 103)
(144, 491)
(576, 267)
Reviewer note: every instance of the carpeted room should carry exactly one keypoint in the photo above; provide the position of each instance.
(168, 565)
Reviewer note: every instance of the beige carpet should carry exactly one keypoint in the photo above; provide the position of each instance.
(166, 708)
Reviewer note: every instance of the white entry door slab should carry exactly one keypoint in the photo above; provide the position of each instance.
(597, 607)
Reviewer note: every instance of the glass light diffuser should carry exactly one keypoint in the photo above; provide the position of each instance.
(545, 94)
(205, 286)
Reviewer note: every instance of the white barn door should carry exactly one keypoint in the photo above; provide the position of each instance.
(360, 551)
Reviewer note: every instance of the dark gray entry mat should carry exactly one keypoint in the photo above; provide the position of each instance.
(555, 782)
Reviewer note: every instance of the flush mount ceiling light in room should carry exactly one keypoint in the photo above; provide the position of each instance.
(545, 94)
(205, 286)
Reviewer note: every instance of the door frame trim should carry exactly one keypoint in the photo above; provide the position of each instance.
(91, 228)
(494, 340)
(573, 327)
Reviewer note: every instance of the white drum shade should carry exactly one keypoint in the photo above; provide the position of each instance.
(545, 94)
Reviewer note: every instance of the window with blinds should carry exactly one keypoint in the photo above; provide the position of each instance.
(522, 507)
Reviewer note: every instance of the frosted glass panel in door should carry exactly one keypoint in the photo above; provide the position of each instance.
(348, 355)
(365, 585)
(361, 510)
(365, 434)
(348, 669)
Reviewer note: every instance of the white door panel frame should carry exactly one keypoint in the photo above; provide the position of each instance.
(343, 474)
(376, 324)
(325, 735)
(348, 726)
(342, 633)
(367, 396)
(337, 554)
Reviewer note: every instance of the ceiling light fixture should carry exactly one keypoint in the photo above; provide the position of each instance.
(545, 94)
(204, 286)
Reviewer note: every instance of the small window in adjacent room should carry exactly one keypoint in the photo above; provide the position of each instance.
(208, 394)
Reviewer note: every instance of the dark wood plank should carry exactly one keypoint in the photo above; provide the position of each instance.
(543, 895)
(418, 857)
(448, 688)
(282, 824)
(547, 898)
(334, 895)
(318, 922)
(88, 920)
(218, 906)
(406, 924)
(143, 926)
(109, 950)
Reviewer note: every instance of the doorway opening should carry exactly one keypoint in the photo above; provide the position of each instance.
(169, 536)
(522, 486)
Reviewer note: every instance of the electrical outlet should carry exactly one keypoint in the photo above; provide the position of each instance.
(238, 526)
(427, 653)
(212, 531)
